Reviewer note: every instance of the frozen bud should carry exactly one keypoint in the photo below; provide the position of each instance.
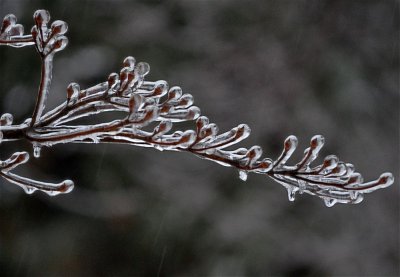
(355, 179)
(160, 88)
(135, 102)
(186, 101)
(8, 20)
(17, 30)
(6, 119)
(317, 142)
(254, 153)
(339, 170)
(290, 143)
(330, 162)
(386, 179)
(59, 27)
(162, 128)
(349, 169)
(193, 113)
(187, 139)
(72, 91)
(174, 93)
(34, 31)
(60, 44)
(66, 186)
(112, 80)
(201, 122)
(243, 130)
(129, 62)
(41, 17)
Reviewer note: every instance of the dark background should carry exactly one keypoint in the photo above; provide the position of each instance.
(283, 67)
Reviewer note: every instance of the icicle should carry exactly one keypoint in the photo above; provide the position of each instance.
(243, 175)
(330, 202)
(36, 150)
(29, 190)
(291, 193)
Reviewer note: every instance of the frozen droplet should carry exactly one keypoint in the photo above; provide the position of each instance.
(291, 193)
(243, 175)
(329, 202)
(52, 192)
(6, 119)
(59, 27)
(29, 190)
(36, 150)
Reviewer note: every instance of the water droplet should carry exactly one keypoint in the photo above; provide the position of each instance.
(52, 192)
(291, 193)
(243, 175)
(329, 202)
(29, 190)
(36, 150)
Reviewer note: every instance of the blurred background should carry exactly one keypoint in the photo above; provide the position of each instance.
(283, 67)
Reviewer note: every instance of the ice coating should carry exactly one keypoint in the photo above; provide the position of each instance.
(152, 112)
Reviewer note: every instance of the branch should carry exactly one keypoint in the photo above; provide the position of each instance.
(151, 110)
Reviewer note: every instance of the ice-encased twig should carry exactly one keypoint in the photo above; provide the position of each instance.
(150, 110)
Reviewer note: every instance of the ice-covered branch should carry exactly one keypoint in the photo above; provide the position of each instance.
(149, 114)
